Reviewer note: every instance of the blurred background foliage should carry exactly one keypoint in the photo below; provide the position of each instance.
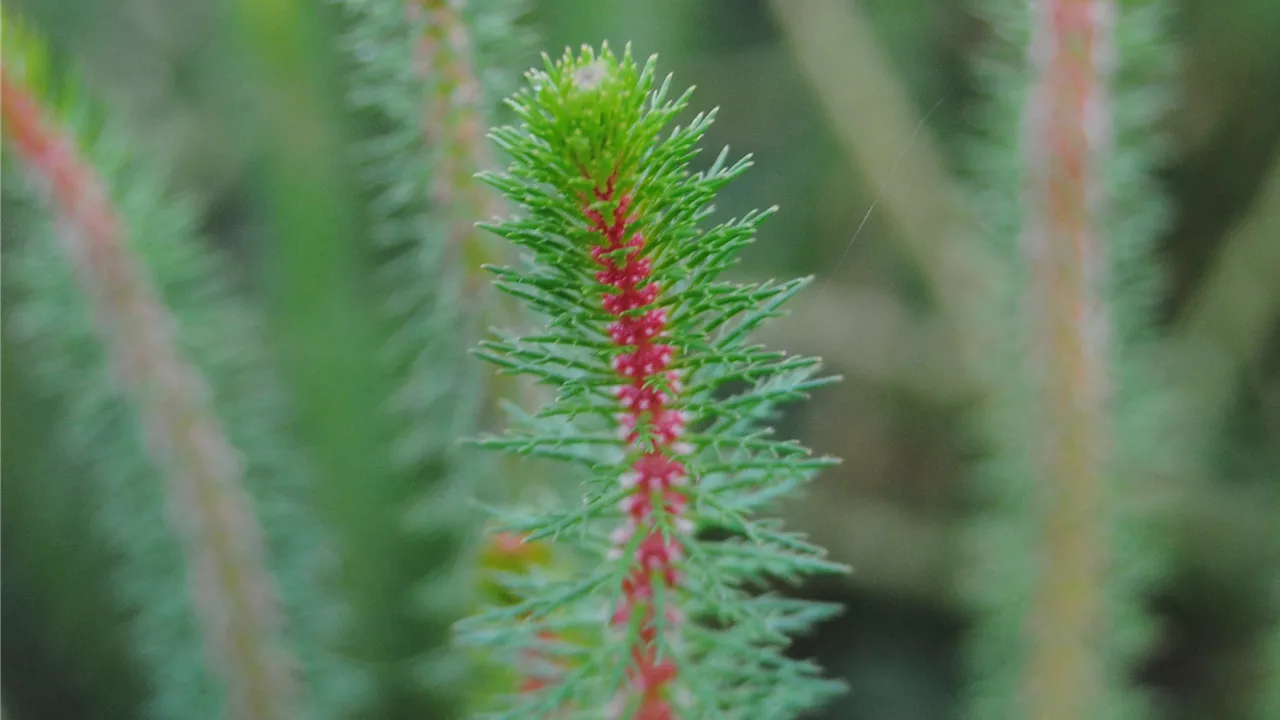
(818, 91)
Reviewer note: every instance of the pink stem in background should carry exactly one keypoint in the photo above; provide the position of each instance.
(651, 428)
(1067, 130)
(454, 124)
(207, 503)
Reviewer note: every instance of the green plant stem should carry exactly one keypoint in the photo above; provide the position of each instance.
(365, 278)
(322, 310)
(321, 306)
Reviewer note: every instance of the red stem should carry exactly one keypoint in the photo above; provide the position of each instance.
(651, 428)
(1071, 53)
(209, 509)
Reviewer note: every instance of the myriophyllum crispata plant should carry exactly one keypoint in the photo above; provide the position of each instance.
(660, 416)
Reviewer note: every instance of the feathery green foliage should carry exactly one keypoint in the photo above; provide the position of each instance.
(100, 429)
(631, 575)
(384, 268)
(662, 620)
(1012, 588)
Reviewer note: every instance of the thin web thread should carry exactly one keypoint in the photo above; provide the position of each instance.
(911, 142)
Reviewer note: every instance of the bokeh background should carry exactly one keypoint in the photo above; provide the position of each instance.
(855, 113)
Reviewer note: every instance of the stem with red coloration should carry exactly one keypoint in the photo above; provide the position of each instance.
(208, 506)
(1067, 133)
(649, 426)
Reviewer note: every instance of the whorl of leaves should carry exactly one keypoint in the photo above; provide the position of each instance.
(588, 122)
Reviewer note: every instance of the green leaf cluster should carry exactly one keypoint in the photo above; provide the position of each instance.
(592, 129)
